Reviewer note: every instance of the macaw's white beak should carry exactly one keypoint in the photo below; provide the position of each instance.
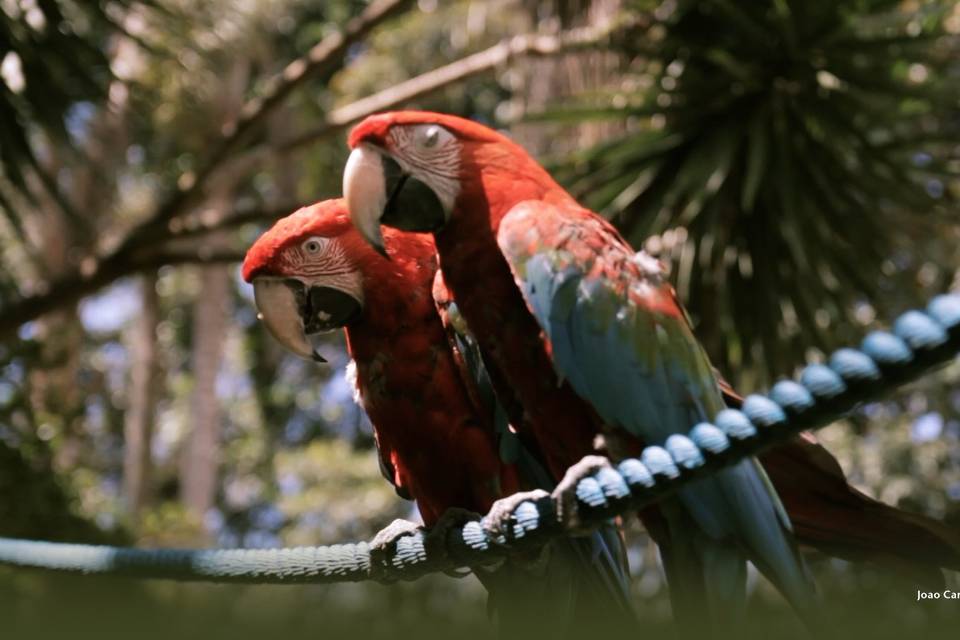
(365, 191)
(280, 311)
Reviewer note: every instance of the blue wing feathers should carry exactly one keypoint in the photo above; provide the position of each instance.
(642, 370)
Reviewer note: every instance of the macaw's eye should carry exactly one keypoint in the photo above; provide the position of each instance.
(313, 245)
(432, 135)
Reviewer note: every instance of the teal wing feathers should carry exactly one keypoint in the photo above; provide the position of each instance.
(615, 329)
(618, 335)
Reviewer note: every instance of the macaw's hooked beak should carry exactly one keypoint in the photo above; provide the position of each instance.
(379, 192)
(291, 312)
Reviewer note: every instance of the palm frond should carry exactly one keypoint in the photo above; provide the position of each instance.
(778, 139)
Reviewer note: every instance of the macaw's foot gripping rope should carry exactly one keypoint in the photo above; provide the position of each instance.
(919, 342)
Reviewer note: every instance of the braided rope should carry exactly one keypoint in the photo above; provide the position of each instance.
(919, 341)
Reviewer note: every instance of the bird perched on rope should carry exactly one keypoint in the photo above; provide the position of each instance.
(441, 439)
(583, 337)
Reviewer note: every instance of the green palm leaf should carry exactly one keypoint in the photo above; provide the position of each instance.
(781, 137)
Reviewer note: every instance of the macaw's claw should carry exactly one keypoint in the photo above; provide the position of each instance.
(384, 544)
(388, 536)
(434, 538)
(565, 493)
(502, 523)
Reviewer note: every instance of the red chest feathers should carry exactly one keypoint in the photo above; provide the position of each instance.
(426, 426)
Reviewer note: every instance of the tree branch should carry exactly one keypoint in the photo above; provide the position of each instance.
(192, 229)
(458, 71)
(176, 256)
(69, 290)
(322, 58)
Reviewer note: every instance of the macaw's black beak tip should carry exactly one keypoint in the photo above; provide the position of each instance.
(319, 358)
(382, 250)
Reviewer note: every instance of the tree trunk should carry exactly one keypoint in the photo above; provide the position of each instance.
(200, 457)
(144, 395)
(200, 462)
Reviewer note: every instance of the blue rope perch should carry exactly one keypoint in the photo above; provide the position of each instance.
(919, 342)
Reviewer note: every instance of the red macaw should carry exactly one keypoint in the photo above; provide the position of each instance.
(438, 439)
(581, 332)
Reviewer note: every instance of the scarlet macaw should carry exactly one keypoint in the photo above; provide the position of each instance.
(438, 440)
(583, 333)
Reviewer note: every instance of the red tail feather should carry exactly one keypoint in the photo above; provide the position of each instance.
(832, 516)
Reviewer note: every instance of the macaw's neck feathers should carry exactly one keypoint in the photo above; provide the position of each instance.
(496, 177)
(410, 271)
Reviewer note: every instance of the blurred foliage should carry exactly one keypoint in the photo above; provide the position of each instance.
(37, 505)
(54, 56)
(55, 63)
(794, 162)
